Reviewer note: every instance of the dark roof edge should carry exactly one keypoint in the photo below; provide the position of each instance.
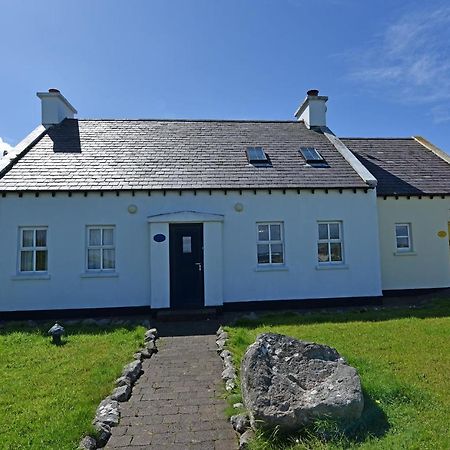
(423, 194)
(8, 161)
(346, 153)
(190, 189)
(431, 147)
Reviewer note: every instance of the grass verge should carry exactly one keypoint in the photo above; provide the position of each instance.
(49, 394)
(403, 358)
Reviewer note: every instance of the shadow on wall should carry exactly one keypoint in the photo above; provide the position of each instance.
(66, 137)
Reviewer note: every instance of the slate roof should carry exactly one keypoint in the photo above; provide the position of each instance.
(402, 166)
(170, 154)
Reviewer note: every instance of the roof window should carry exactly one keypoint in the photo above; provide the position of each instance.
(256, 155)
(311, 155)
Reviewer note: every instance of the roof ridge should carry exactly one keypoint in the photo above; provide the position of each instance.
(186, 120)
(402, 138)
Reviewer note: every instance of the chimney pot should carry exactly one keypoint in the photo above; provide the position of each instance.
(313, 92)
(56, 91)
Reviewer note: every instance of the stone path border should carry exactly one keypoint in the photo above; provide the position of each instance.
(108, 412)
(240, 422)
(178, 402)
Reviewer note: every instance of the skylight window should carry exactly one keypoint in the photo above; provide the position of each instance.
(311, 155)
(256, 155)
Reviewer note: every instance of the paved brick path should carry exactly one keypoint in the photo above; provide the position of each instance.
(176, 403)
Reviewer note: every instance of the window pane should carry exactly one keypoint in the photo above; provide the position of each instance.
(323, 231)
(263, 253)
(275, 232)
(402, 242)
(41, 260)
(401, 230)
(41, 238)
(27, 238)
(334, 231)
(94, 259)
(109, 259)
(95, 236)
(108, 236)
(336, 252)
(263, 232)
(277, 253)
(26, 261)
(322, 253)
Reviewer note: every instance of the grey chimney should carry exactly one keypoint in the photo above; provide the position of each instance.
(55, 107)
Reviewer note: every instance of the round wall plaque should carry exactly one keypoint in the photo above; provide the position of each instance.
(442, 234)
(132, 209)
(159, 238)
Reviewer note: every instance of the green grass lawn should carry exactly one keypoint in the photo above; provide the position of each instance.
(403, 358)
(49, 394)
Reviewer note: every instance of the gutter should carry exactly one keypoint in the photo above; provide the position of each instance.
(354, 162)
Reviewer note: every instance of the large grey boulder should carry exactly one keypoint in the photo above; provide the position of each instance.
(290, 383)
(107, 413)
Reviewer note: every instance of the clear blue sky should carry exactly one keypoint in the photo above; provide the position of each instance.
(385, 65)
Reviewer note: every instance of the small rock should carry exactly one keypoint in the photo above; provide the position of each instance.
(240, 423)
(146, 353)
(228, 373)
(149, 336)
(132, 370)
(219, 331)
(221, 344)
(87, 443)
(138, 355)
(154, 331)
(103, 434)
(222, 336)
(122, 393)
(107, 412)
(230, 385)
(238, 405)
(225, 354)
(244, 440)
(122, 381)
(151, 346)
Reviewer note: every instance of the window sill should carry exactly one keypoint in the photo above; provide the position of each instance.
(331, 266)
(271, 268)
(99, 275)
(30, 276)
(408, 253)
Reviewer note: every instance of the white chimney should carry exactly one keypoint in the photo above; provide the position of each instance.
(55, 107)
(313, 110)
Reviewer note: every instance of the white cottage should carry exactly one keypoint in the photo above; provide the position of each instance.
(203, 213)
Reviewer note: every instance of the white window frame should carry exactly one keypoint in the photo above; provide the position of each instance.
(33, 249)
(270, 242)
(408, 236)
(330, 241)
(101, 247)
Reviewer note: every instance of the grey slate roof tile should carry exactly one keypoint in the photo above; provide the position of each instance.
(402, 166)
(170, 154)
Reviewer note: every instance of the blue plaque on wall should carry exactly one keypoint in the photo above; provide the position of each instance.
(159, 238)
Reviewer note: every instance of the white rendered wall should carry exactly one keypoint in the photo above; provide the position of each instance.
(232, 277)
(428, 265)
